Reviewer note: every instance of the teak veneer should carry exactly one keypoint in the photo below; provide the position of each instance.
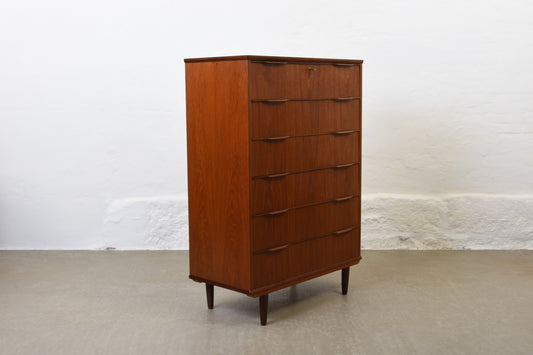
(274, 171)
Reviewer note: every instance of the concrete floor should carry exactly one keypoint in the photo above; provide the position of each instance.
(399, 302)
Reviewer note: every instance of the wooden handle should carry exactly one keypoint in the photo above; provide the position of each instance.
(342, 199)
(344, 99)
(343, 133)
(278, 101)
(275, 176)
(343, 231)
(344, 65)
(276, 139)
(281, 247)
(276, 213)
(342, 166)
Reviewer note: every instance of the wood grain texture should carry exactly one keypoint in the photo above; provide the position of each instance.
(218, 172)
(303, 223)
(303, 153)
(272, 142)
(302, 258)
(303, 81)
(255, 292)
(274, 58)
(299, 118)
(304, 188)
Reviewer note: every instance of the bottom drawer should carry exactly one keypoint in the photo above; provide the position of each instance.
(283, 264)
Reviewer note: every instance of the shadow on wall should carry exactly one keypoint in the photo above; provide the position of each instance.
(416, 151)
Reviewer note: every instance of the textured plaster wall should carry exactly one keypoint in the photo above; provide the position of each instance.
(92, 115)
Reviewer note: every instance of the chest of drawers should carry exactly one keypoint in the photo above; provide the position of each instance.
(274, 171)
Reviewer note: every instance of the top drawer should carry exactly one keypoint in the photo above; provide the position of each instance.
(279, 80)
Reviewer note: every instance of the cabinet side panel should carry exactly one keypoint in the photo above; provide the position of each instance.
(218, 172)
(360, 122)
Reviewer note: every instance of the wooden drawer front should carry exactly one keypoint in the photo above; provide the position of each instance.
(303, 153)
(298, 118)
(304, 188)
(303, 81)
(302, 258)
(303, 223)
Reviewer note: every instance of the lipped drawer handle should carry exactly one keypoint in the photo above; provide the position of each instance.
(342, 199)
(273, 63)
(344, 99)
(343, 133)
(275, 139)
(276, 176)
(342, 166)
(281, 247)
(343, 231)
(275, 101)
(276, 213)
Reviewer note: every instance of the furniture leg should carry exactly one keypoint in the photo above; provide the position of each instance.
(263, 308)
(209, 290)
(345, 279)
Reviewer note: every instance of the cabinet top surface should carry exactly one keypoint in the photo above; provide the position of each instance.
(274, 59)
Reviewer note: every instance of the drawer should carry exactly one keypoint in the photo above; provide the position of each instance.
(299, 224)
(298, 118)
(277, 193)
(290, 154)
(276, 80)
(304, 258)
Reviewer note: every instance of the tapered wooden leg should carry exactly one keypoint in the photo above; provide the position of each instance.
(345, 279)
(209, 290)
(263, 308)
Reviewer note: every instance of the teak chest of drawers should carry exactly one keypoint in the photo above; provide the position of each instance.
(274, 171)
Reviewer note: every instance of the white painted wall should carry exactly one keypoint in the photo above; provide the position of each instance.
(92, 110)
